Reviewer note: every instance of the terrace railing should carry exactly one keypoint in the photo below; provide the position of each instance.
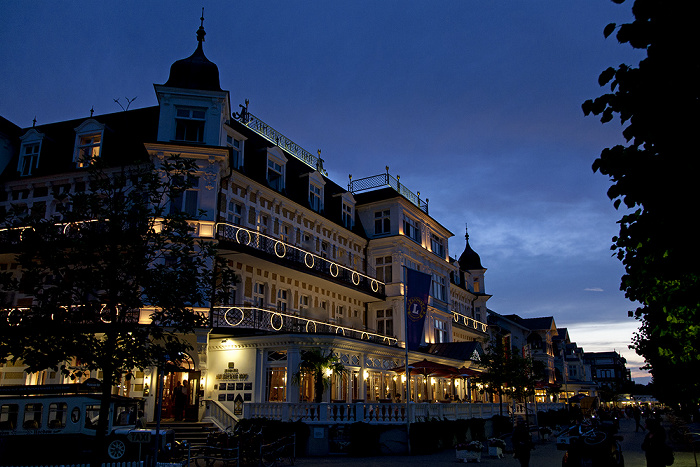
(247, 317)
(386, 180)
(299, 258)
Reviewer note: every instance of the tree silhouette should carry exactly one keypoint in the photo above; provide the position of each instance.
(653, 178)
(320, 366)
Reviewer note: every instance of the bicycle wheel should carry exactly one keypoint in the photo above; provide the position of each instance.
(594, 437)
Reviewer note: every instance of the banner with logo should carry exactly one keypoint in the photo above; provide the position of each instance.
(417, 290)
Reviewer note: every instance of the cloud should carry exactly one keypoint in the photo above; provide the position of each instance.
(593, 289)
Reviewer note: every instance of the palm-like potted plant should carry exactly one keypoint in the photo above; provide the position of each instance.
(320, 366)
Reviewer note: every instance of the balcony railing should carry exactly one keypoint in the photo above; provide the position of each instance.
(384, 180)
(247, 317)
(469, 322)
(277, 138)
(299, 258)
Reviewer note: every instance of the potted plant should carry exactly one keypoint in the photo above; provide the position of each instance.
(496, 447)
(469, 451)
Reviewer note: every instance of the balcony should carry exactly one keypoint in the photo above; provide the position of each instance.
(262, 319)
(468, 322)
(283, 253)
(386, 180)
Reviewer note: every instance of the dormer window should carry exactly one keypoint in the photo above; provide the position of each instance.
(316, 184)
(236, 145)
(30, 158)
(189, 124)
(347, 215)
(29, 152)
(276, 163)
(88, 149)
(88, 143)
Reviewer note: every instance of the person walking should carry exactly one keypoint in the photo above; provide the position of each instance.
(178, 401)
(522, 443)
(637, 413)
(654, 444)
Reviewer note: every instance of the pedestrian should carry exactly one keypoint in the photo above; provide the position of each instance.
(522, 443)
(140, 420)
(654, 444)
(637, 413)
(178, 401)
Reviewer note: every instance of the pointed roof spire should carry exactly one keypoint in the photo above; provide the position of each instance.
(469, 259)
(195, 71)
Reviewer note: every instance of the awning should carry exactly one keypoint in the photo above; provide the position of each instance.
(428, 368)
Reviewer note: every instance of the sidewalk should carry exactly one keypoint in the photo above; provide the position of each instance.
(544, 455)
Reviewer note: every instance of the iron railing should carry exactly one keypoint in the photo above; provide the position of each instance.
(277, 138)
(262, 319)
(383, 180)
(299, 258)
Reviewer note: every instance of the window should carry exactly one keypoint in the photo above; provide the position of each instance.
(411, 229)
(347, 216)
(275, 175)
(88, 149)
(235, 213)
(440, 331)
(237, 148)
(92, 414)
(385, 322)
(8, 416)
(277, 384)
(383, 267)
(315, 194)
(436, 245)
(189, 125)
(340, 311)
(259, 295)
(439, 288)
(304, 302)
(382, 222)
(187, 201)
(32, 416)
(30, 158)
(58, 412)
(282, 300)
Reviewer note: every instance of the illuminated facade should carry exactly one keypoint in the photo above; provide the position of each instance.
(320, 265)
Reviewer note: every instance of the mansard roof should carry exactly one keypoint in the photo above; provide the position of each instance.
(122, 142)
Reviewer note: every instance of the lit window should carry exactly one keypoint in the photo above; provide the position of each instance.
(382, 222)
(383, 267)
(436, 245)
(30, 158)
(88, 149)
(259, 294)
(411, 229)
(189, 125)
(304, 301)
(385, 322)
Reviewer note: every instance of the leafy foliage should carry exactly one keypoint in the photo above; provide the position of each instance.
(653, 177)
(320, 366)
(113, 278)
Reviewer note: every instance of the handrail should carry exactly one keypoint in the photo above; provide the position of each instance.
(219, 415)
(286, 251)
(381, 180)
(273, 320)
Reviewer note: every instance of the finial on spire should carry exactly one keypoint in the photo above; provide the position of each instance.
(200, 32)
(466, 231)
(34, 122)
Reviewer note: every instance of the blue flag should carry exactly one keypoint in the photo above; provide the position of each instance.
(417, 290)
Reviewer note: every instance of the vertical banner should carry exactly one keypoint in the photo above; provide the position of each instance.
(417, 290)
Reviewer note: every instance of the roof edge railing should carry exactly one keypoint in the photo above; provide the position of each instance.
(386, 180)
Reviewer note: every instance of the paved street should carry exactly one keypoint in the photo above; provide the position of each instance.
(544, 455)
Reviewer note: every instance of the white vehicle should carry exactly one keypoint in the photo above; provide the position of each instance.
(58, 422)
